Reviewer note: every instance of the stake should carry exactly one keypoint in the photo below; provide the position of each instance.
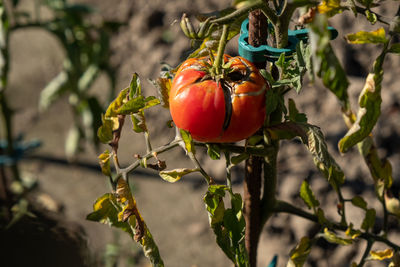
(258, 26)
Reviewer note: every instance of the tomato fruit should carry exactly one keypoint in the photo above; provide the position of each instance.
(229, 108)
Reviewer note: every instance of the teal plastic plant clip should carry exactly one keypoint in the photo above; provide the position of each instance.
(266, 52)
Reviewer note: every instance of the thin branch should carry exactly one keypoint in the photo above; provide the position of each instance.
(366, 252)
(238, 13)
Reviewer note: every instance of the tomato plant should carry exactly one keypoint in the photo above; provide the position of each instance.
(217, 100)
(225, 108)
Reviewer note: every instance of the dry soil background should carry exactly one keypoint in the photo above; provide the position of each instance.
(175, 212)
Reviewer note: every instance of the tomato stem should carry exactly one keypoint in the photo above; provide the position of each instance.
(221, 48)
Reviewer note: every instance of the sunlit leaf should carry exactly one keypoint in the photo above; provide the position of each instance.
(105, 132)
(369, 107)
(138, 122)
(362, 37)
(299, 254)
(381, 255)
(135, 88)
(371, 17)
(308, 196)
(330, 7)
(393, 205)
(163, 86)
(104, 160)
(187, 139)
(175, 175)
(105, 210)
(331, 237)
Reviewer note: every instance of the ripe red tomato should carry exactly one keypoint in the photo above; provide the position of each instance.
(229, 109)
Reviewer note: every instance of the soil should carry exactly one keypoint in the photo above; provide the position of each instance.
(175, 213)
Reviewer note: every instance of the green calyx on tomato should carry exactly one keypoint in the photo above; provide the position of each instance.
(224, 108)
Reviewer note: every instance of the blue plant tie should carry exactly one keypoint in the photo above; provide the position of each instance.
(20, 149)
(274, 261)
(266, 52)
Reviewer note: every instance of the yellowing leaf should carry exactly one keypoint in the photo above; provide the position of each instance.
(362, 37)
(175, 175)
(333, 238)
(299, 254)
(104, 160)
(330, 7)
(381, 254)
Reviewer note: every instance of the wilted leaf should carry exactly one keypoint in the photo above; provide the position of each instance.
(105, 210)
(369, 110)
(299, 254)
(105, 132)
(104, 160)
(139, 122)
(381, 254)
(175, 175)
(323, 160)
(362, 37)
(333, 238)
(163, 86)
(325, 63)
(393, 205)
(308, 196)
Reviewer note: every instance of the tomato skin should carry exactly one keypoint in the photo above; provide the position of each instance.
(229, 110)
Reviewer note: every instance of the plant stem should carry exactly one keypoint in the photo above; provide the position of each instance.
(253, 167)
(366, 252)
(219, 60)
(238, 13)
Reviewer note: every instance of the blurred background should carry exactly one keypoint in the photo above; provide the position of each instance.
(67, 60)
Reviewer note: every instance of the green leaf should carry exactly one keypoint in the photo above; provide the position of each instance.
(104, 160)
(294, 114)
(325, 63)
(239, 158)
(362, 37)
(371, 17)
(333, 238)
(187, 139)
(132, 106)
(369, 220)
(308, 196)
(213, 151)
(135, 88)
(369, 107)
(105, 210)
(272, 101)
(299, 254)
(395, 48)
(359, 202)
(175, 175)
